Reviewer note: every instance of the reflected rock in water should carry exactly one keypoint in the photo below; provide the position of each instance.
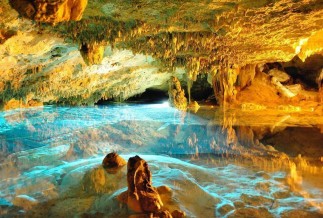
(221, 157)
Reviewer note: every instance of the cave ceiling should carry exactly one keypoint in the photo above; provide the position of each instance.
(39, 45)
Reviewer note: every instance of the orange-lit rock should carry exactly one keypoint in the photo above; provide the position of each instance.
(13, 104)
(177, 95)
(112, 162)
(6, 34)
(141, 196)
(92, 53)
(311, 45)
(25, 8)
(226, 41)
(50, 11)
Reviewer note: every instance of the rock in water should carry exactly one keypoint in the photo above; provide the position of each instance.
(25, 201)
(141, 195)
(178, 214)
(112, 162)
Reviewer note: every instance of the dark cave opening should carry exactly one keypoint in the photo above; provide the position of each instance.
(150, 96)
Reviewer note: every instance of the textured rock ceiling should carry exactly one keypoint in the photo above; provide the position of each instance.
(41, 62)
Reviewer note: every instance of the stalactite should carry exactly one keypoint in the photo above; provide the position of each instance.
(224, 84)
(189, 86)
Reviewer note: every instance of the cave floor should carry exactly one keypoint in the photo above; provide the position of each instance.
(218, 163)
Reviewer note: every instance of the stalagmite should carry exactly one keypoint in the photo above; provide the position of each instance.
(223, 84)
(141, 196)
(177, 95)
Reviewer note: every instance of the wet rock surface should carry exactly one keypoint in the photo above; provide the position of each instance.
(112, 162)
(141, 195)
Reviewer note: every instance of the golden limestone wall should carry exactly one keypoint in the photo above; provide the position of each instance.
(50, 11)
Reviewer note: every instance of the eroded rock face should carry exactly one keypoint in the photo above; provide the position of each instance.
(141, 195)
(6, 34)
(25, 8)
(50, 11)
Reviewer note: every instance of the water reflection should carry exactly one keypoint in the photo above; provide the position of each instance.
(230, 157)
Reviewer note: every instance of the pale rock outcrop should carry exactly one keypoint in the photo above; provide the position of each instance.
(280, 76)
(282, 89)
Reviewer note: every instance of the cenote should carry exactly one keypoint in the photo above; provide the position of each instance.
(161, 109)
(51, 161)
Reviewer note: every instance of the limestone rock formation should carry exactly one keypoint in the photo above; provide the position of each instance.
(50, 11)
(280, 76)
(141, 195)
(113, 162)
(6, 34)
(176, 94)
(92, 53)
(25, 8)
(226, 40)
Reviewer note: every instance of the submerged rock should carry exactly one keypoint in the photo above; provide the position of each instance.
(251, 212)
(141, 196)
(25, 201)
(112, 162)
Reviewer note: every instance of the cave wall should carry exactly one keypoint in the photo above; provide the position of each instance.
(228, 41)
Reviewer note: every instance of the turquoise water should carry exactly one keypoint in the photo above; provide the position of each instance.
(49, 153)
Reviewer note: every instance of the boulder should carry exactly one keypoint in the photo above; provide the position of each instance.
(112, 162)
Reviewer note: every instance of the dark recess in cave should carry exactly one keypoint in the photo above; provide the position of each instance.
(150, 96)
(201, 90)
(306, 141)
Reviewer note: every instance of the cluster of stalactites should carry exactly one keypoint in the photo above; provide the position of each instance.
(92, 53)
(50, 11)
(229, 79)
